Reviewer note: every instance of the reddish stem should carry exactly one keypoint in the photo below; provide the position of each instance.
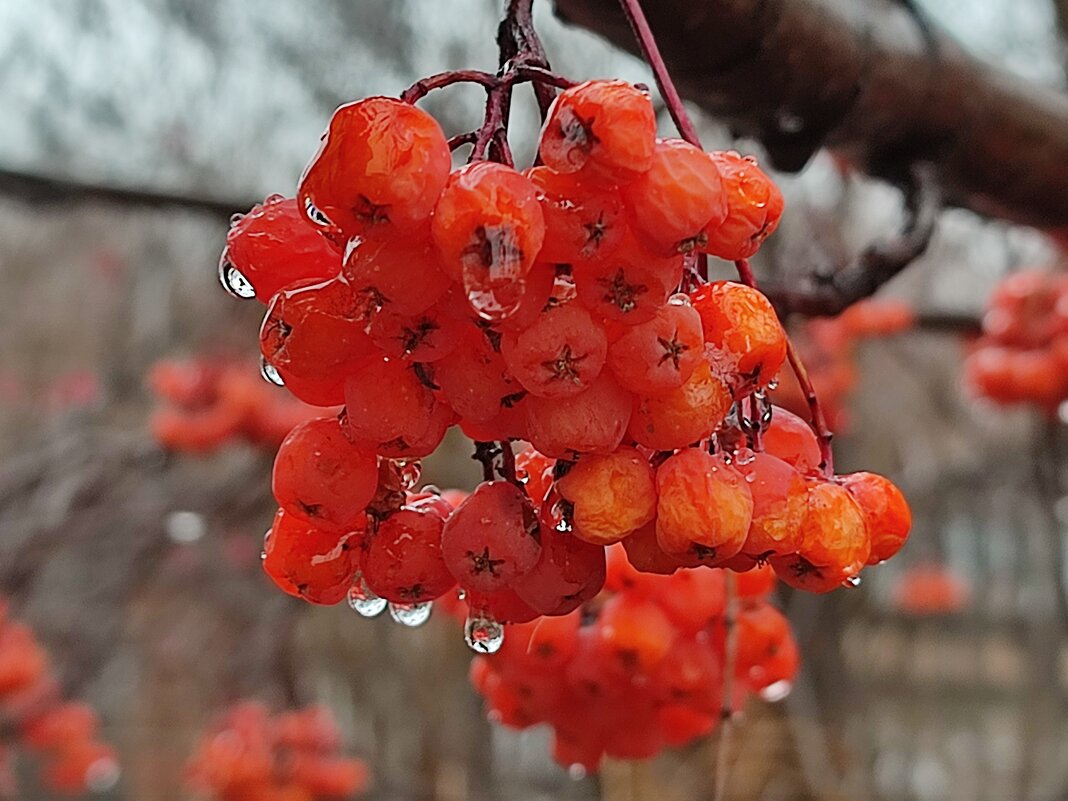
(647, 42)
(819, 422)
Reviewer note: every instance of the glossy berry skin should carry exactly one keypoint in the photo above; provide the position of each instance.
(488, 227)
(309, 562)
(780, 498)
(612, 495)
(569, 572)
(834, 541)
(403, 562)
(754, 207)
(504, 606)
(273, 246)
(886, 512)
(492, 538)
(321, 475)
(645, 554)
(387, 402)
(582, 221)
(381, 163)
(600, 131)
(673, 203)
(561, 354)
(704, 508)
(593, 421)
(628, 285)
(474, 379)
(398, 274)
(682, 416)
(744, 340)
(792, 439)
(314, 332)
(658, 356)
(693, 599)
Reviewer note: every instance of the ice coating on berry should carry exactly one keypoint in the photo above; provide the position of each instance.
(602, 131)
(704, 507)
(488, 227)
(492, 538)
(381, 163)
(744, 340)
(611, 495)
(754, 207)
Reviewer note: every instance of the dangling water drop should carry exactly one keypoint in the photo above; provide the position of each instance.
(576, 772)
(483, 634)
(233, 281)
(102, 775)
(679, 299)
(236, 218)
(776, 691)
(851, 582)
(274, 197)
(363, 600)
(411, 615)
(408, 471)
(773, 384)
(270, 373)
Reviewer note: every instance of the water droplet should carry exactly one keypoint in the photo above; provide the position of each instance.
(679, 299)
(433, 489)
(184, 527)
(483, 634)
(773, 385)
(576, 772)
(494, 304)
(461, 594)
(236, 218)
(102, 775)
(776, 691)
(273, 198)
(263, 551)
(233, 281)
(314, 214)
(270, 373)
(851, 582)
(411, 615)
(408, 472)
(744, 456)
(363, 600)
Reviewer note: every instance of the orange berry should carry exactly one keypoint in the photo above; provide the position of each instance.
(612, 495)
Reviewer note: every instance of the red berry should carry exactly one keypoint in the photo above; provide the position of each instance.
(381, 162)
(593, 421)
(677, 199)
(492, 538)
(559, 355)
(385, 401)
(392, 273)
(705, 507)
(273, 246)
(488, 227)
(322, 476)
(568, 573)
(628, 285)
(601, 131)
(682, 416)
(312, 563)
(744, 339)
(754, 206)
(611, 495)
(792, 440)
(658, 356)
(582, 221)
(780, 497)
(404, 562)
(886, 512)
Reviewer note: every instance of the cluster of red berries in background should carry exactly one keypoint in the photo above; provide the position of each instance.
(566, 306)
(206, 402)
(929, 589)
(829, 344)
(1022, 355)
(289, 756)
(642, 669)
(62, 735)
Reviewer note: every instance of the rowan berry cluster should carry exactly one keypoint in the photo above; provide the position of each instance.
(829, 346)
(1022, 355)
(62, 735)
(925, 590)
(289, 756)
(642, 669)
(565, 305)
(206, 402)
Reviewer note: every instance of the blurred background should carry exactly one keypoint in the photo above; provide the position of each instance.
(132, 129)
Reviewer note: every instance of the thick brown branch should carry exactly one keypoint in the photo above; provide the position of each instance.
(830, 293)
(867, 83)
